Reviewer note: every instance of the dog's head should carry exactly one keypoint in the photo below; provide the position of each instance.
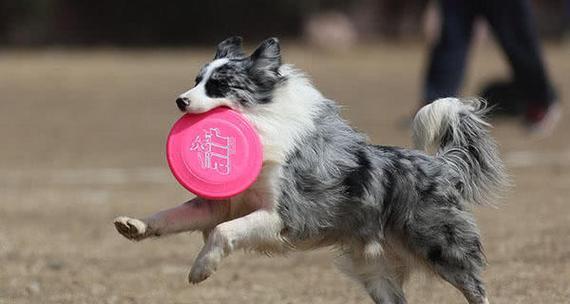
(233, 79)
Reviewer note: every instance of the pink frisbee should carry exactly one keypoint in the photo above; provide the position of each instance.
(215, 155)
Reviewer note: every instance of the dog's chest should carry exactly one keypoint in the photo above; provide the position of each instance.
(265, 191)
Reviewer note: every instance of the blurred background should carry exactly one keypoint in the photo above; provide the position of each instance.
(149, 23)
(87, 92)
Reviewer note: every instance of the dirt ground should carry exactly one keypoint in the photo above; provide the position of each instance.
(82, 141)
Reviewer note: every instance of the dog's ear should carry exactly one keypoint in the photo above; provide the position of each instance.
(230, 48)
(267, 55)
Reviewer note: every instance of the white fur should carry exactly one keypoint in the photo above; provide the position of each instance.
(288, 117)
(280, 124)
(431, 118)
(258, 230)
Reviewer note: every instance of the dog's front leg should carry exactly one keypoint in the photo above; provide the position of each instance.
(196, 214)
(260, 229)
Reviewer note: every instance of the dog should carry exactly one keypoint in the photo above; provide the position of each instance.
(387, 210)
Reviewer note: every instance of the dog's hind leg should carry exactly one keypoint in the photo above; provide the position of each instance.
(449, 242)
(382, 277)
(259, 230)
(462, 276)
(196, 214)
(468, 281)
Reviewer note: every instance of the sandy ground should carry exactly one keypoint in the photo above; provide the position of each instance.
(82, 141)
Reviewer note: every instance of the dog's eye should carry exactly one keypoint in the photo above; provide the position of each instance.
(217, 87)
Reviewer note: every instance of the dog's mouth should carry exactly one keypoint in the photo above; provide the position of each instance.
(203, 107)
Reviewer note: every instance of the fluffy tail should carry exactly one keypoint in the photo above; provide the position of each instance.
(456, 131)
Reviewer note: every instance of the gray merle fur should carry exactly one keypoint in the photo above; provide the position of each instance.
(336, 188)
(387, 209)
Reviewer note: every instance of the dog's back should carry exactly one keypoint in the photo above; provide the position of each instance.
(383, 205)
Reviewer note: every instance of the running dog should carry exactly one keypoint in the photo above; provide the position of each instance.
(387, 210)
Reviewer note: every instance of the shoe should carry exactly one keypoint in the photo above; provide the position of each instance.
(541, 120)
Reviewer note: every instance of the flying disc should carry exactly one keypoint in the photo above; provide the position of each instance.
(216, 154)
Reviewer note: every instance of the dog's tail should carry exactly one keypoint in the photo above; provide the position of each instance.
(456, 131)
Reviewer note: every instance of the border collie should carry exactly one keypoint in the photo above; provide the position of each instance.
(387, 210)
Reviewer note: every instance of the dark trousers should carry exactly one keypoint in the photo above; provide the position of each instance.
(512, 23)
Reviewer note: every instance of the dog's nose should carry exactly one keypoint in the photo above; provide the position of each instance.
(182, 103)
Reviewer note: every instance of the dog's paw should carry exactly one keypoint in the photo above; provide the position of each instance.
(204, 266)
(210, 256)
(200, 272)
(132, 229)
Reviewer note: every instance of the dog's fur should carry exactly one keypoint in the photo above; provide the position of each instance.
(386, 209)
